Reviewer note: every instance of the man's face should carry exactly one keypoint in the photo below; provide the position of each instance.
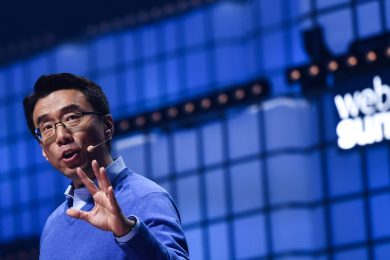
(67, 149)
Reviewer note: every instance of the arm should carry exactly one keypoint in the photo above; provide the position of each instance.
(159, 234)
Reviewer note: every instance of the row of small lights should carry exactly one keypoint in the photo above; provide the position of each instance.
(333, 65)
(25, 46)
(232, 97)
(39, 42)
(145, 16)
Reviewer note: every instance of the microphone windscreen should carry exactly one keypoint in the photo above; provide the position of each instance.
(90, 148)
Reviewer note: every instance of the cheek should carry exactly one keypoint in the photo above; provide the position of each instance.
(49, 152)
(90, 137)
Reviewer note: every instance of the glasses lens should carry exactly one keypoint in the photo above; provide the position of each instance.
(69, 121)
(47, 131)
(72, 120)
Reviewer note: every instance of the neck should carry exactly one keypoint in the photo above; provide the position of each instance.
(104, 162)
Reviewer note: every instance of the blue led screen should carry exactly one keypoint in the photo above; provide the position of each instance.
(265, 181)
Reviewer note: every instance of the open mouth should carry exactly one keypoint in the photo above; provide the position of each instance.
(69, 154)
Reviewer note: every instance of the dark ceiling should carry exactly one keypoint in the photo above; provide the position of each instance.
(28, 25)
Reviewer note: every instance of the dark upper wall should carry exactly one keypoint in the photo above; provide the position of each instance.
(30, 26)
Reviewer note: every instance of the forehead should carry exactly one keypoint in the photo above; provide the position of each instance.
(54, 103)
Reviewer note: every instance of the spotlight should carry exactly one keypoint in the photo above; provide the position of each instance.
(239, 94)
(124, 125)
(189, 108)
(387, 52)
(295, 75)
(352, 61)
(223, 99)
(257, 89)
(314, 70)
(371, 56)
(205, 103)
(172, 112)
(140, 121)
(333, 65)
(156, 117)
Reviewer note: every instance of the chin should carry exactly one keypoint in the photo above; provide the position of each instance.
(69, 173)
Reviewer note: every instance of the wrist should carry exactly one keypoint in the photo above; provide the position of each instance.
(126, 226)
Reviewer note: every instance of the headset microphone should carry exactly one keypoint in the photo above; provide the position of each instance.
(92, 148)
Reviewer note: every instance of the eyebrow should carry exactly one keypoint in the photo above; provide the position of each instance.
(69, 108)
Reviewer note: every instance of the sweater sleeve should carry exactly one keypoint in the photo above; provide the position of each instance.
(159, 234)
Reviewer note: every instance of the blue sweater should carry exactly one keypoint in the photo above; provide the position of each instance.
(159, 236)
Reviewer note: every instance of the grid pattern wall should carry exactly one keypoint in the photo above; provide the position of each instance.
(246, 188)
(355, 185)
(268, 182)
(243, 165)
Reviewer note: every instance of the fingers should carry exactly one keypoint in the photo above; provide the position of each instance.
(95, 168)
(79, 214)
(104, 179)
(91, 187)
(103, 183)
(101, 176)
(112, 199)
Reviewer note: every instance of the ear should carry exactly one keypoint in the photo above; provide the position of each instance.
(108, 126)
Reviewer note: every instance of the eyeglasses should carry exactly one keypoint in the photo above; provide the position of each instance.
(47, 129)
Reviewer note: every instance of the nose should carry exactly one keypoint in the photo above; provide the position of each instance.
(63, 135)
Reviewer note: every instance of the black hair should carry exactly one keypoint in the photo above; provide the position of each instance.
(47, 84)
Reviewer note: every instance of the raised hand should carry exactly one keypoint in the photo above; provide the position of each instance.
(106, 214)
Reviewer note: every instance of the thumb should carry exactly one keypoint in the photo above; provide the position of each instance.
(75, 213)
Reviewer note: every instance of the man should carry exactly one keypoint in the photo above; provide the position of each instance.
(110, 212)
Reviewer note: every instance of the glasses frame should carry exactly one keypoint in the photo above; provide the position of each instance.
(39, 136)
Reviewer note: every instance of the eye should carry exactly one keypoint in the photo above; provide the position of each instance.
(71, 117)
(46, 127)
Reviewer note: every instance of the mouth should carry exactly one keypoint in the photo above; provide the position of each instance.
(70, 156)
